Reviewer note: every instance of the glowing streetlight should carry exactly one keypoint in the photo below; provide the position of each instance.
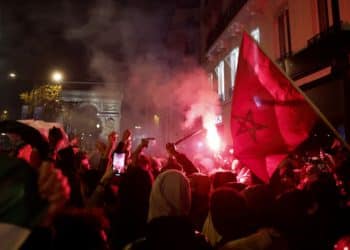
(57, 76)
(12, 75)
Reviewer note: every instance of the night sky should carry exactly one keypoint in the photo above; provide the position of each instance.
(37, 37)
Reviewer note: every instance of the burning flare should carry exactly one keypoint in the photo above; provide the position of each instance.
(212, 137)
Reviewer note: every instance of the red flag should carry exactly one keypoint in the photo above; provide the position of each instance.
(269, 116)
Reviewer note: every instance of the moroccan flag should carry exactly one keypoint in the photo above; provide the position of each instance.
(269, 116)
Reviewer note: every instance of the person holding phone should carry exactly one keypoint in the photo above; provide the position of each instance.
(124, 147)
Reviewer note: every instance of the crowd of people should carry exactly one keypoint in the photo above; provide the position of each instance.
(171, 203)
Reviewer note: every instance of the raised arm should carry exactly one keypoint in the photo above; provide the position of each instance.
(187, 165)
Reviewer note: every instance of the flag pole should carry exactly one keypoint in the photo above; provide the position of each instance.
(188, 136)
(314, 107)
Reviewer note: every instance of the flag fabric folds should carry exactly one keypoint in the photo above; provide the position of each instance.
(269, 116)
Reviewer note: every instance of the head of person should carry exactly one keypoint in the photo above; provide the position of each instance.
(134, 190)
(200, 184)
(66, 161)
(293, 210)
(170, 195)
(80, 229)
(260, 201)
(143, 162)
(56, 137)
(229, 213)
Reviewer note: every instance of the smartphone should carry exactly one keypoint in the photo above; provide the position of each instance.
(118, 163)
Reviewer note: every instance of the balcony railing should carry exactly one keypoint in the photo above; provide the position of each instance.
(324, 34)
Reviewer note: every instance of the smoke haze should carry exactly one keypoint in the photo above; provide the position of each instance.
(127, 47)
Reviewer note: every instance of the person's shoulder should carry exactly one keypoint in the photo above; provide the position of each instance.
(178, 228)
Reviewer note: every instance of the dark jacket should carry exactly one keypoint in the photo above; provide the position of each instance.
(172, 233)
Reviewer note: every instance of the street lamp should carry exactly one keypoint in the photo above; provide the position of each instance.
(57, 76)
(12, 75)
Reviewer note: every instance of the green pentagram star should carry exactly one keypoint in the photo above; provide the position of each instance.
(248, 125)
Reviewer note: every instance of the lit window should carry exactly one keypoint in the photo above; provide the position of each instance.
(220, 72)
(256, 34)
(284, 37)
(233, 64)
(211, 80)
(322, 6)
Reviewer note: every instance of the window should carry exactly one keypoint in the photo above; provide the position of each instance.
(323, 15)
(233, 62)
(211, 80)
(220, 72)
(255, 33)
(284, 33)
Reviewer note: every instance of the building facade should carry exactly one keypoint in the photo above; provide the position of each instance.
(309, 40)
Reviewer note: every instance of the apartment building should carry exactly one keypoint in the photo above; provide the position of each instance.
(308, 39)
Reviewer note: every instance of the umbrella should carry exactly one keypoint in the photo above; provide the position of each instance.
(28, 134)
